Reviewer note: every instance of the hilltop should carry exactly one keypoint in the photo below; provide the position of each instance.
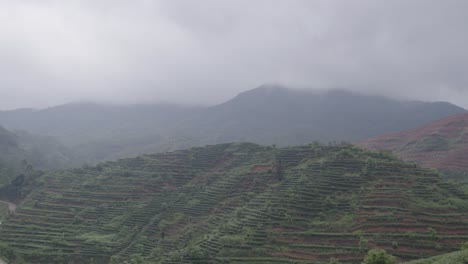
(238, 203)
(265, 115)
(442, 144)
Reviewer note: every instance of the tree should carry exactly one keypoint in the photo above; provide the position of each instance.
(464, 246)
(136, 259)
(279, 169)
(378, 256)
(115, 260)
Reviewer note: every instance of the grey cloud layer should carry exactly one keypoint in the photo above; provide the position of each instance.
(206, 51)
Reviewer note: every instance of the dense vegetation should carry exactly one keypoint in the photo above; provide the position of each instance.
(238, 203)
(266, 115)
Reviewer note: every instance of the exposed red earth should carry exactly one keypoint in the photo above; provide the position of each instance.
(442, 144)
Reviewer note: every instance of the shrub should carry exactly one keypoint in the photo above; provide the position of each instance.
(363, 244)
(378, 256)
(464, 245)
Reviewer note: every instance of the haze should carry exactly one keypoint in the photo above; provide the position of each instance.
(204, 52)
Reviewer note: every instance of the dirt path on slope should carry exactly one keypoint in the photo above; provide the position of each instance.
(11, 208)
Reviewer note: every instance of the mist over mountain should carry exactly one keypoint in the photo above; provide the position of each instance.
(139, 132)
(266, 115)
(277, 115)
(20, 151)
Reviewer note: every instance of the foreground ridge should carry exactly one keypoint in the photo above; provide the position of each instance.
(240, 203)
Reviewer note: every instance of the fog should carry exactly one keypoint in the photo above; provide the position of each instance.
(207, 51)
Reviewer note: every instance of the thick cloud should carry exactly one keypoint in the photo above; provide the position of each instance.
(206, 51)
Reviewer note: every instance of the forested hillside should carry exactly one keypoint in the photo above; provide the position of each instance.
(265, 115)
(239, 203)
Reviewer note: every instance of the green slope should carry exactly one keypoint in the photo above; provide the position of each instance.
(459, 257)
(239, 203)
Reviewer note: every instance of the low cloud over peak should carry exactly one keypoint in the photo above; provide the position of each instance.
(53, 52)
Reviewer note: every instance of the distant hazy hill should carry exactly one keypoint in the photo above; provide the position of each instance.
(8, 140)
(101, 132)
(289, 117)
(20, 149)
(239, 203)
(441, 144)
(267, 115)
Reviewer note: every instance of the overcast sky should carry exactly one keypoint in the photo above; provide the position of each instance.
(206, 51)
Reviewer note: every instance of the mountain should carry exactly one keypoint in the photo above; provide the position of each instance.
(103, 132)
(265, 115)
(276, 115)
(238, 203)
(442, 144)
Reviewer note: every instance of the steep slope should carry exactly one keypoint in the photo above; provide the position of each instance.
(10, 156)
(41, 151)
(239, 203)
(19, 149)
(442, 144)
(265, 115)
(8, 140)
(459, 257)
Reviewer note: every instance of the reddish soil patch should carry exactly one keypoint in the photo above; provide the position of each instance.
(281, 229)
(407, 144)
(316, 240)
(11, 206)
(227, 157)
(401, 229)
(313, 255)
(170, 186)
(260, 168)
(296, 255)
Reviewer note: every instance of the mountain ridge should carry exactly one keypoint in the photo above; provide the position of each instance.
(265, 115)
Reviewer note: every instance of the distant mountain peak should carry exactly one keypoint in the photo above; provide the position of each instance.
(265, 89)
(271, 87)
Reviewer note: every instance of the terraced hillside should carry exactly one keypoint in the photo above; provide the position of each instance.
(239, 204)
(458, 257)
(442, 144)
